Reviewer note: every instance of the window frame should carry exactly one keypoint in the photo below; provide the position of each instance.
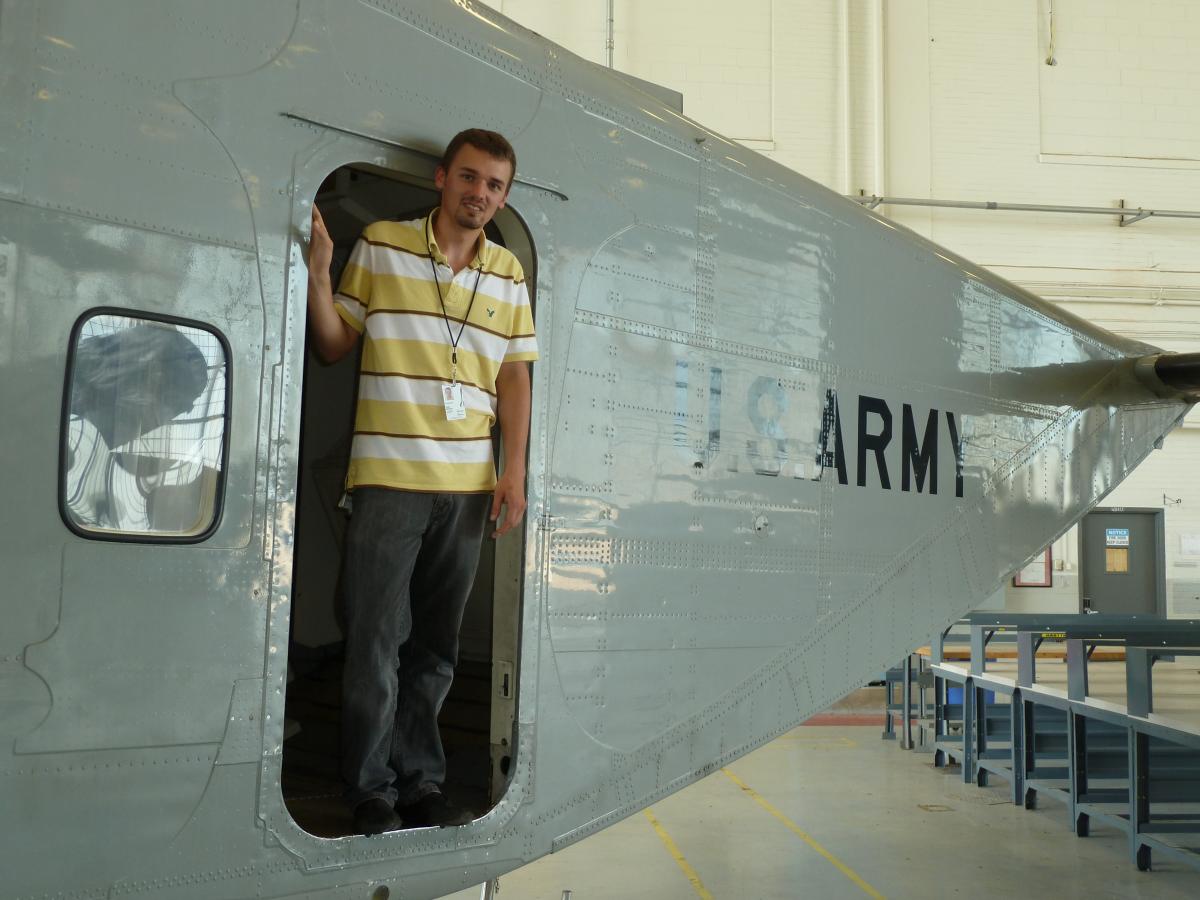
(64, 430)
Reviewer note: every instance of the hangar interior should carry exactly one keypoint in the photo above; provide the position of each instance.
(1082, 108)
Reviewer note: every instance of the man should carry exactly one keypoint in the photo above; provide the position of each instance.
(448, 336)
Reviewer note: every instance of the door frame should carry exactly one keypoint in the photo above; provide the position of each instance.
(1160, 540)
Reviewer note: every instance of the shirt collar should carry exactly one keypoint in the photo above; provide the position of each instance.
(435, 252)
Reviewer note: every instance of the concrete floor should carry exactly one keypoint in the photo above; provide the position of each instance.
(835, 812)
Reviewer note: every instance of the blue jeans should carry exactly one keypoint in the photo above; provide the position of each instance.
(410, 560)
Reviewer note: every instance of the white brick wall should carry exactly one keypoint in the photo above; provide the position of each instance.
(720, 60)
(718, 55)
(1126, 80)
(972, 113)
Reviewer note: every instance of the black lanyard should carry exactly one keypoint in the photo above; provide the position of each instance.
(450, 331)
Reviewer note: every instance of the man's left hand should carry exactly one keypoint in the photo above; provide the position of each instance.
(510, 494)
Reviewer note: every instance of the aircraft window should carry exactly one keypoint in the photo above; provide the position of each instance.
(144, 431)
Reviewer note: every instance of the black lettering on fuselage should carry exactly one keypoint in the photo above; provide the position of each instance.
(956, 443)
(918, 449)
(831, 426)
(773, 453)
(874, 442)
(714, 414)
(918, 459)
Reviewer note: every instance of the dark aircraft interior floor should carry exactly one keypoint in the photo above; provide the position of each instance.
(312, 788)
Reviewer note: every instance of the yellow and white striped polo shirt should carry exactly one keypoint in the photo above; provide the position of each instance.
(402, 438)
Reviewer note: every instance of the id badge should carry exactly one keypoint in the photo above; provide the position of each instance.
(452, 399)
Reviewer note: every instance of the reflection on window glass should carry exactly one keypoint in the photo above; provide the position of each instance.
(145, 428)
(1116, 560)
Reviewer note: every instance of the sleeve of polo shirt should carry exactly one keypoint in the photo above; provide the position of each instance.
(354, 290)
(522, 342)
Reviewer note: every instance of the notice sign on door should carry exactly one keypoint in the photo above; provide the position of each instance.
(1116, 537)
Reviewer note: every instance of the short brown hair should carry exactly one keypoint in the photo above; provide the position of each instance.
(490, 142)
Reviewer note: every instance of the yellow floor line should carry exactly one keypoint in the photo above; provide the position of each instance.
(681, 861)
(804, 836)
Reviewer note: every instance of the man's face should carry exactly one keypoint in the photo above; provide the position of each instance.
(475, 187)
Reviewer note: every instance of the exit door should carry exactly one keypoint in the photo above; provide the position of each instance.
(1122, 562)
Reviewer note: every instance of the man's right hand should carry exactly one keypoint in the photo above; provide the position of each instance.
(320, 245)
(332, 337)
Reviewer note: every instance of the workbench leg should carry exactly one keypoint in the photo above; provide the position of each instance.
(906, 741)
(981, 735)
(1139, 681)
(1029, 714)
(968, 731)
(1139, 796)
(1077, 770)
(920, 689)
(940, 727)
(1016, 718)
(889, 727)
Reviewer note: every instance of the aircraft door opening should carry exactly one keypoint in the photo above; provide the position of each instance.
(477, 719)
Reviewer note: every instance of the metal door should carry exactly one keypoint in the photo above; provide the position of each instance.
(1121, 561)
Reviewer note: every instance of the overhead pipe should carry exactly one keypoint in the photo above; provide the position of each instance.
(611, 32)
(844, 89)
(880, 123)
(1050, 58)
(1124, 213)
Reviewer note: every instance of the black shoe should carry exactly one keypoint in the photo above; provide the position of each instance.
(434, 809)
(375, 816)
